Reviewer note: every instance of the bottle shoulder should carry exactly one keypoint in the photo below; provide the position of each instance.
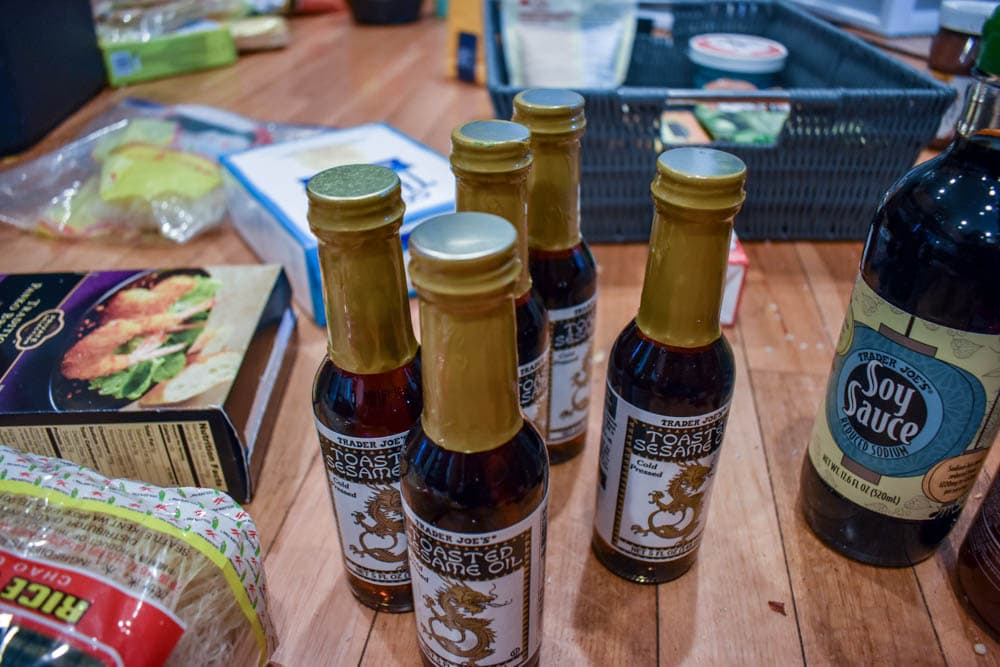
(478, 492)
(372, 405)
(953, 196)
(671, 381)
(564, 278)
(532, 326)
(934, 245)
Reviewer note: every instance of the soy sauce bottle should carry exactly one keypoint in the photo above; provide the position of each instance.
(911, 405)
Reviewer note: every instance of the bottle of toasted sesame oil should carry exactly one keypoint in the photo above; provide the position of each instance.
(670, 376)
(475, 473)
(491, 160)
(913, 400)
(562, 269)
(367, 392)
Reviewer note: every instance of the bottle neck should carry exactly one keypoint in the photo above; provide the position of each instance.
(367, 311)
(470, 386)
(554, 194)
(685, 277)
(505, 195)
(982, 106)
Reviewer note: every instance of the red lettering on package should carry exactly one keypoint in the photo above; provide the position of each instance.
(92, 614)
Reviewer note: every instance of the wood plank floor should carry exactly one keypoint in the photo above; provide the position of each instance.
(756, 548)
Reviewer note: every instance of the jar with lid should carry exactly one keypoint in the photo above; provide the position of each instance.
(954, 50)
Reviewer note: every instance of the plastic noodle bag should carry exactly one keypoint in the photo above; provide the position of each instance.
(568, 43)
(103, 572)
(141, 169)
(140, 21)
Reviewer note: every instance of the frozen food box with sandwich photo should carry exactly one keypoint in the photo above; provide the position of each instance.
(171, 377)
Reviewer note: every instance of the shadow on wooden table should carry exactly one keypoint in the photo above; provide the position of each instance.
(562, 479)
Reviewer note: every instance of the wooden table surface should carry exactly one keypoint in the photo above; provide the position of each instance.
(756, 548)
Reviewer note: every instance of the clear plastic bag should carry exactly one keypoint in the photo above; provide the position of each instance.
(101, 572)
(139, 21)
(142, 169)
(568, 43)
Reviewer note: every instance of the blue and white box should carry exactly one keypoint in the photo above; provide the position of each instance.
(266, 190)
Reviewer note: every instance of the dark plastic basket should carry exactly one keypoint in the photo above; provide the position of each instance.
(858, 121)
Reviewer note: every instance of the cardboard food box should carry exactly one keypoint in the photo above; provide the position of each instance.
(266, 191)
(736, 277)
(199, 45)
(172, 377)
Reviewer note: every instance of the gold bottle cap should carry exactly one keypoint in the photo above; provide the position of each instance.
(697, 192)
(355, 211)
(463, 255)
(550, 111)
(700, 180)
(354, 198)
(491, 147)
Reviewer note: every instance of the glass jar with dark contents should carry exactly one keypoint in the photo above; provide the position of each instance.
(953, 55)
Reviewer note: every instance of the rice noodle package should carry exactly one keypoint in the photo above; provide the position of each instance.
(105, 572)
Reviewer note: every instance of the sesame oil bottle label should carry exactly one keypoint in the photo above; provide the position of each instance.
(655, 476)
(363, 474)
(572, 336)
(533, 391)
(478, 596)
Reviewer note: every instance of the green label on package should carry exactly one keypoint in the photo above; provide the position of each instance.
(910, 411)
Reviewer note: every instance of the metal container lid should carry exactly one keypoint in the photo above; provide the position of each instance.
(464, 254)
(354, 198)
(491, 146)
(701, 179)
(550, 111)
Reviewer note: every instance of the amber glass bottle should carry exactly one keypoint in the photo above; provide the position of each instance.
(491, 160)
(475, 473)
(670, 376)
(367, 392)
(562, 269)
(978, 563)
(911, 404)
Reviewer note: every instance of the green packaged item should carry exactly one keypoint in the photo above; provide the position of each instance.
(200, 45)
(744, 124)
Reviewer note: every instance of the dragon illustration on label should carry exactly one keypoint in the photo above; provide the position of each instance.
(454, 607)
(686, 490)
(385, 510)
(581, 385)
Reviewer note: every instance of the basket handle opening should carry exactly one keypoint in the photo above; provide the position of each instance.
(712, 117)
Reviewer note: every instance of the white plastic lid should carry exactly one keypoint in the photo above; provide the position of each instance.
(735, 52)
(966, 16)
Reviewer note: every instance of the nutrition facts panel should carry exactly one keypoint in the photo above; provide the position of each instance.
(164, 453)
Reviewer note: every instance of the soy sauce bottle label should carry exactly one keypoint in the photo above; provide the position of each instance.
(572, 335)
(533, 391)
(655, 475)
(364, 483)
(910, 412)
(478, 596)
